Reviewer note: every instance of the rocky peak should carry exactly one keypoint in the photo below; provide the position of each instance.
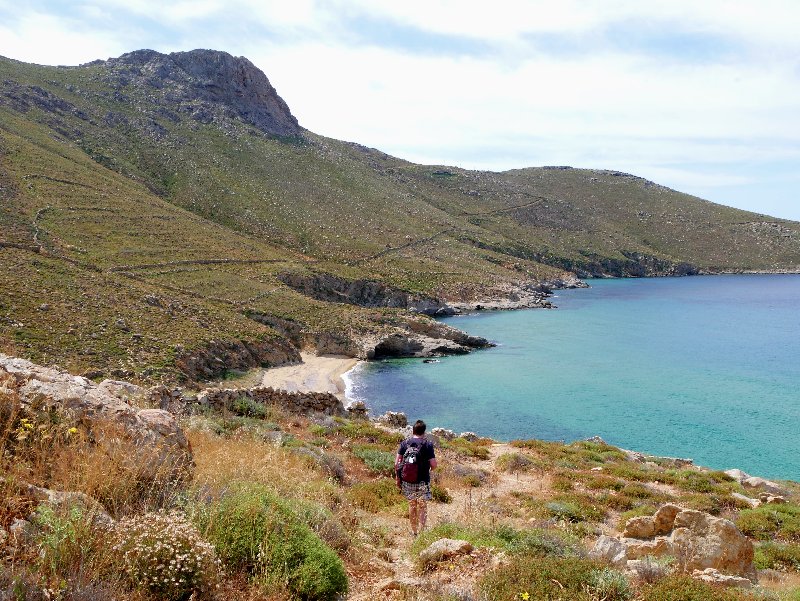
(214, 79)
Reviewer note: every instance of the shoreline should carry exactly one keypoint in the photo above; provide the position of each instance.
(317, 373)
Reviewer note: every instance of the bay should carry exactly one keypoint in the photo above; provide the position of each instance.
(701, 367)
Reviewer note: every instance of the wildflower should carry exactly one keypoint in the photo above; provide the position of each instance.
(525, 596)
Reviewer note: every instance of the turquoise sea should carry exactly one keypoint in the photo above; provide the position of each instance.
(701, 367)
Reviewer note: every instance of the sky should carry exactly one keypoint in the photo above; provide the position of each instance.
(699, 95)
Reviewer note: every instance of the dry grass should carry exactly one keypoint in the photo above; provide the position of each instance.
(220, 461)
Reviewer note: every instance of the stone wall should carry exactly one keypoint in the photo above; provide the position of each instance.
(294, 402)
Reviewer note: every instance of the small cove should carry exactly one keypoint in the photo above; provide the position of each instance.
(700, 367)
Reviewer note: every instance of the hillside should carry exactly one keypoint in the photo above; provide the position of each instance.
(249, 494)
(167, 216)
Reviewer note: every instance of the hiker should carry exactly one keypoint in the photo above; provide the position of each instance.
(413, 463)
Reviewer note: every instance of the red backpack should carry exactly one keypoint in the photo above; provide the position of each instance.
(409, 464)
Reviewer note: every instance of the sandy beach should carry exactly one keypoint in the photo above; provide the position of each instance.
(315, 374)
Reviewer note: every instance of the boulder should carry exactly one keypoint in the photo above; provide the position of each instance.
(750, 501)
(737, 475)
(394, 419)
(760, 484)
(657, 547)
(398, 584)
(698, 540)
(470, 436)
(61, 501)
(640, 527)
(609, 549)
(153, 438)
(713, 576)
(768, 499)
(445, 548)
(704, 541)
(443, 433)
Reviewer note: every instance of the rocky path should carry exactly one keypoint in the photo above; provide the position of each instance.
(392, 566)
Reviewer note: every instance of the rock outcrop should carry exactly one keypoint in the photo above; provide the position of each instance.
(697, 540)
(213, 360)
(155, 440)
(205, 83)
(444, 548)
(755, 483)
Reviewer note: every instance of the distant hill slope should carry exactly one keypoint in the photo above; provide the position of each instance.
(185, 176)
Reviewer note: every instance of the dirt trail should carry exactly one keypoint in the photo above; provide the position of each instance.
(392, 564)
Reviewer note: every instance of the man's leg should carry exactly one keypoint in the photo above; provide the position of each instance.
(422, 514)
(413, 515)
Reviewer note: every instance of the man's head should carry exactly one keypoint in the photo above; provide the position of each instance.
(419, 427)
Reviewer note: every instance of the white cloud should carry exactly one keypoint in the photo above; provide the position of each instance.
(51, 40)
(602, 105)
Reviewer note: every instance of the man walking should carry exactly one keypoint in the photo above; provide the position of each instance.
(413, 463)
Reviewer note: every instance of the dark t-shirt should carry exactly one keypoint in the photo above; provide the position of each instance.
(425, 454)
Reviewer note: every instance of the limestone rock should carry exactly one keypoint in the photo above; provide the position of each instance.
(664, 518)
(610, 549)
(657, 547)
(470, 436)
(756, 483)
(768, 499)
(698, 540)
(357, 409)
(394, 419)
(750, 501)
(713, 576)
(63, 501)
(640, 527)
(21, 532)
(444, 548)
(737, 475)
(154, 439)
(125, 391)
(396, 584)
(443, 433)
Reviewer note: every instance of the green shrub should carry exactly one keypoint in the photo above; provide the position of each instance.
(467, 448)
(472, 480)
(378, 461)
(514, 462)
(440, 494)
(256, 531)
(317, 430)
(562, 483)
(247, 407)
(574, 508)
(539, 578)
(684, 588)
(366, 432)
(64, 539)
(777, 556)
(600, 482)
(165, 555)
(374, 496)
(768, 521)
(609, 585)
(529, 542)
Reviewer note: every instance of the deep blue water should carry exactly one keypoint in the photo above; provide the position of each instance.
(700, 367)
